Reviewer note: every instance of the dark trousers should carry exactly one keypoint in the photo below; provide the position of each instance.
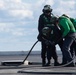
(51, 53)
(43, 50)
(66, 45)
(73, 49)
(48, 52)
(60, 43)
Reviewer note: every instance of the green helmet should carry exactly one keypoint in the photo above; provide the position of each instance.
(45, 31)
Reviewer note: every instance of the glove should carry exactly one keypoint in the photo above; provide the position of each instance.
(53, 43)
(47, 42)
(57, 41)
(39, 37)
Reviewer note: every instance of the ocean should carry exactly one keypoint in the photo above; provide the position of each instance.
(22, 52)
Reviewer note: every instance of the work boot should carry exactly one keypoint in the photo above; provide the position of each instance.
(64, 61)
(48, 64)
(70, 65)
(43, 62)
(56, 64)
(75, 63)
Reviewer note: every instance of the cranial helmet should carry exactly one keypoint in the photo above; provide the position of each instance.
(45, 31)
(47, 8)
(65, 15)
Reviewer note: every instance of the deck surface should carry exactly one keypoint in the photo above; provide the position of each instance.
(35, 68)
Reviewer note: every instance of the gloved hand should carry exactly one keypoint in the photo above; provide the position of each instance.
(39, 37)
(57, 41)
(53, 43)
(47, 42)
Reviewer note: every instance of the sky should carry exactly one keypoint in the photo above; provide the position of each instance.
(19, 21)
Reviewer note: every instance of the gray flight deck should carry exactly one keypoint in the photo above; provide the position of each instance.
(33, 69)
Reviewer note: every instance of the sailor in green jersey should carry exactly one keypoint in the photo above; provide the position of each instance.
(69, 34)
(73, 46)
(73, 20)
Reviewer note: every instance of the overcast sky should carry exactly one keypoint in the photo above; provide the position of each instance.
(19, 21)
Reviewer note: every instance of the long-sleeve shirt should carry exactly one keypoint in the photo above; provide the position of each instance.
(66, 26)
(74, 22)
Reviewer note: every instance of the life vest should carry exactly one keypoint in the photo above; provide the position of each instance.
(55, 33)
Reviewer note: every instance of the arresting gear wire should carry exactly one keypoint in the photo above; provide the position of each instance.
(55, 66)
(30, 51)
(68, 62)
